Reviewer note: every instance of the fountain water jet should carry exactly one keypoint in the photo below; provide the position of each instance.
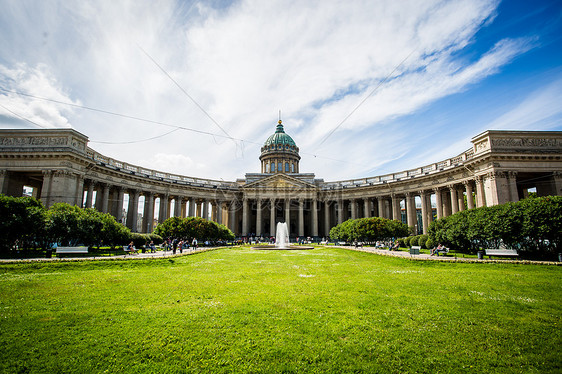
(281, 235)
(282, 239)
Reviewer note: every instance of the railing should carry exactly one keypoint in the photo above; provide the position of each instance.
(351, 183)
(412, 173)
(153, 174)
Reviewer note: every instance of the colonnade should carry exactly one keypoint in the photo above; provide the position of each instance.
(111, 199)
(316, 216)
(311, 215)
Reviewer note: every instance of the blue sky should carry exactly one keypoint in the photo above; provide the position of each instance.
(419, 78)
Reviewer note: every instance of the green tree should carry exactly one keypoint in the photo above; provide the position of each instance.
(23, 220)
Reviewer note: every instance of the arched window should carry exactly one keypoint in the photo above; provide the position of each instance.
(292, 168)
(267, 168)
(279, 166)
(286, 167)
(273, 167)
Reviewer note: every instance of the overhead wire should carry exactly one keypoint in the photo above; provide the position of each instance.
(23, 118)
(184, 91)
(366, 97)
(240, 143)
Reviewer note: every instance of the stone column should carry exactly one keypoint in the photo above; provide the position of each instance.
(314, 217)
(120, 199)
(454, 202)
(245, 217)
(469, 197)
(90, 195)
(79, 194)
(99, 197)
(396, 208)
(512, 183)
(301, 217)
(366, 207)
(557, 178)
(424, 211)
(219, 212)
(327, 218)
(177, 206)
(380, 202)
(192, 204)
(480, 198)
(258, 217)
(133, 213)
(460, 198)
(340, 211)
(288, 212)
(46, 189)
(205, 209)
(353, 204)
(163, 208)
(148, 216)
(232, 217)
(105, 198)
(411, 211)
(272, 223)
(4, 182)
(183, 207)
(438, 203)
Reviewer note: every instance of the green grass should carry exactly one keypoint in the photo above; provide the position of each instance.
(243, 310)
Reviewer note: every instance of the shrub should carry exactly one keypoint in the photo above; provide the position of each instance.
(429, 243)
(139, 240)
(422, 239)
(401, 242)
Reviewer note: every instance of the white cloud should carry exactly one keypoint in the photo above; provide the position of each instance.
(38, 82)
(242, 63)
(171, 163)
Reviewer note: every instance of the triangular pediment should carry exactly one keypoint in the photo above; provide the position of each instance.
(280, 182)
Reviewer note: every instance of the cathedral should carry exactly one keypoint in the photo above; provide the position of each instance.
(57, 165)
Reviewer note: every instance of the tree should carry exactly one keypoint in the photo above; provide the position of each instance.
(23, 219)
(368, 229)
(193, 227)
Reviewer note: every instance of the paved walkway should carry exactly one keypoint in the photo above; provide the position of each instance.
(382, 252)
(449, 257)
(136, 256)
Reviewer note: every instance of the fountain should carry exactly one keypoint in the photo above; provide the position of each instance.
(281, 235)
(282, 239)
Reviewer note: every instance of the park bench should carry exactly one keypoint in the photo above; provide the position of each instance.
(501, 252)
(443, 250)
(415, 250)
(126, 250)
(71, 250)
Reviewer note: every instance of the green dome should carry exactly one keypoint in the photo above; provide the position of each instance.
(280, 138)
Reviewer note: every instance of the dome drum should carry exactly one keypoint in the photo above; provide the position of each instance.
(280, 154)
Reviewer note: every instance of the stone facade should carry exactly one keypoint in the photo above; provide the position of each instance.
(499, 167)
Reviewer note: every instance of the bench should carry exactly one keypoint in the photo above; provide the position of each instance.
(126, 250)
(443, 250)
(415, 250)
(501, 252)
(71, 250)
(358, 244)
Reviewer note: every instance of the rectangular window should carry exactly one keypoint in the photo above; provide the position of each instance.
(286, 167)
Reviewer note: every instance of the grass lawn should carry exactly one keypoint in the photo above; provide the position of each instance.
(243, 310)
